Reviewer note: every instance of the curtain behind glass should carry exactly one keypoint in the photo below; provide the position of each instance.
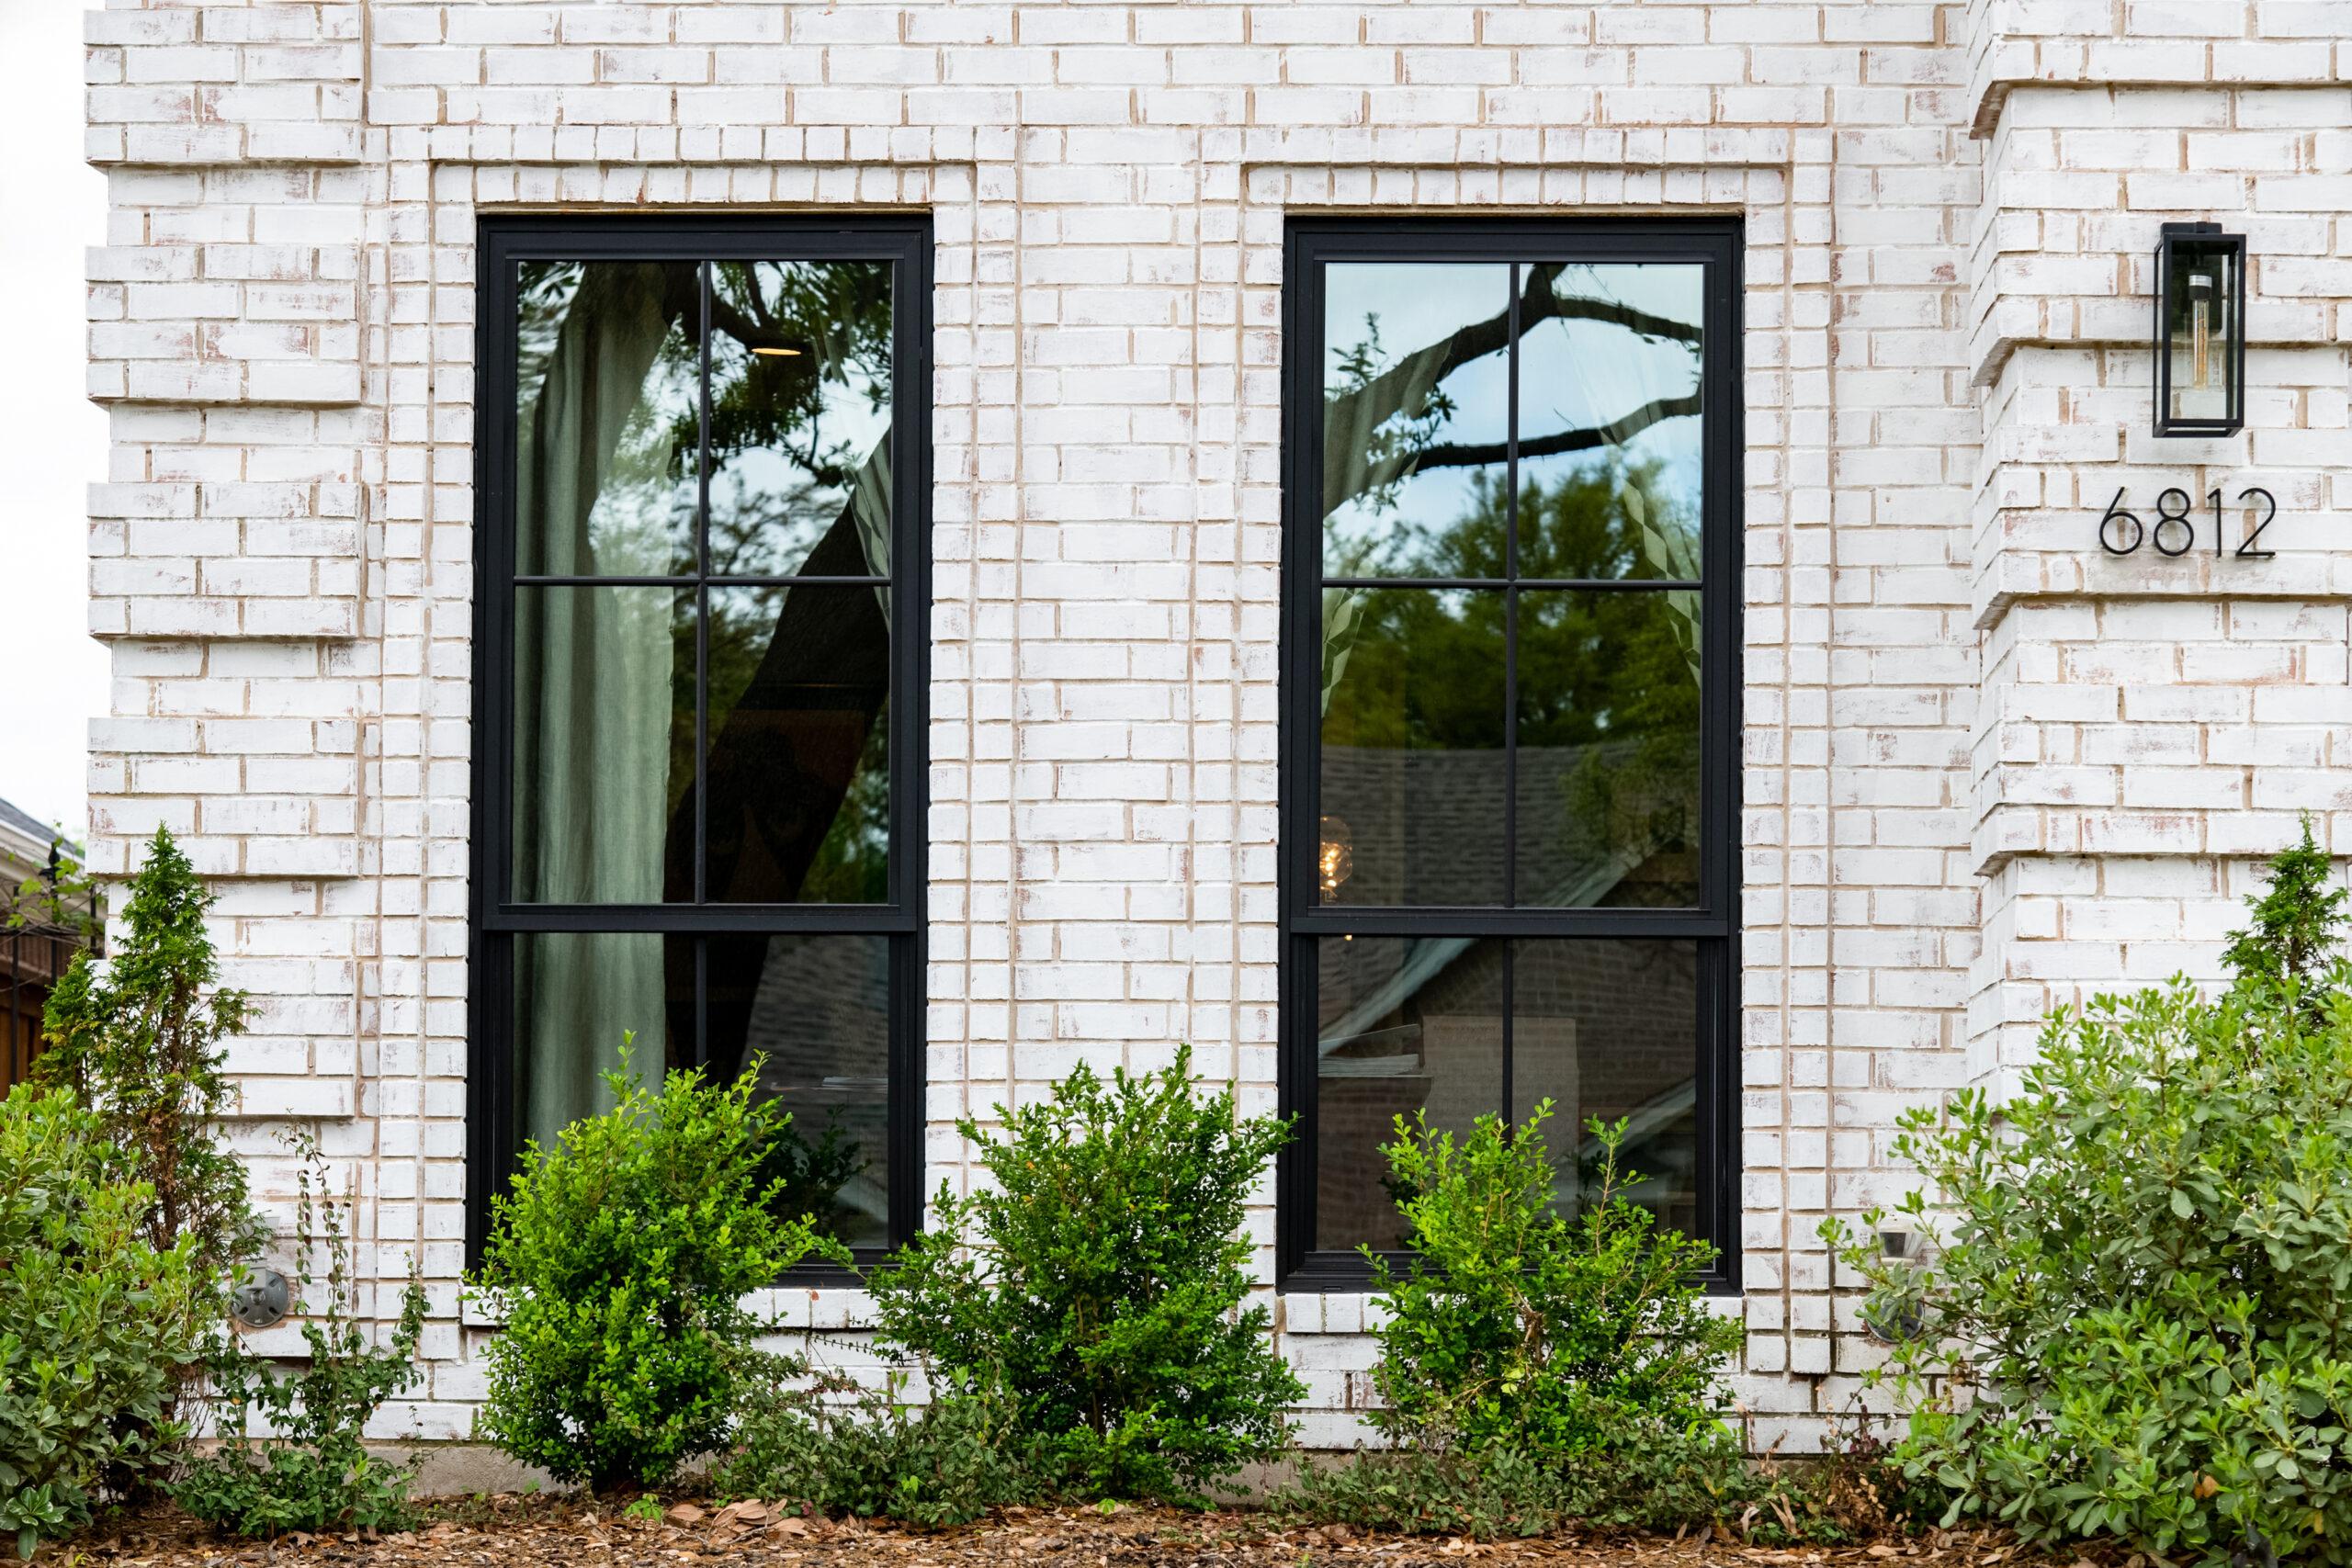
(596, 479)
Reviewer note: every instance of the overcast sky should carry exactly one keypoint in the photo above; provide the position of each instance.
(52, 439)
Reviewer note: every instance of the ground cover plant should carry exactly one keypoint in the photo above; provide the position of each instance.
(305, 1468)
(1096, 1282)
(2132, 1320)
(619, 1262)
(830, 1446)
(1500, 1492)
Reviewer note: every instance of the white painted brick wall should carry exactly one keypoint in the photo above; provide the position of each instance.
(1986, 769)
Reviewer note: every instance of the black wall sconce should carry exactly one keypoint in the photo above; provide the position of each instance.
(2200, 331)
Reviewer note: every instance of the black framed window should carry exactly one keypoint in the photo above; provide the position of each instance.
(1509, 750)
(699, 630)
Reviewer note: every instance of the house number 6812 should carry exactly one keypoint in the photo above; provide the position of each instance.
(2174, 531)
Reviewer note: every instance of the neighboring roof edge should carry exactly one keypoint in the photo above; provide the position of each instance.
(17, 824)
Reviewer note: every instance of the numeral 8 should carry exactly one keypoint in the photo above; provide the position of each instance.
(2164, 515)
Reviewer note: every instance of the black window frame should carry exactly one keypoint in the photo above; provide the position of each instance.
(903, 240)
(1309, 245)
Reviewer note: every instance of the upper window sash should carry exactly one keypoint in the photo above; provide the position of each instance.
(1508, 577)
(754, 399)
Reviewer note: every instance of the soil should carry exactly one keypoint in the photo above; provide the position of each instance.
(513, 1531)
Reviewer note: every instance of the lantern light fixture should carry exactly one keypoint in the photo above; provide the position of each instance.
(2200, 331)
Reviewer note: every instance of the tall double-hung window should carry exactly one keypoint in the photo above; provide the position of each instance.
(1509, 851)
(697, 732)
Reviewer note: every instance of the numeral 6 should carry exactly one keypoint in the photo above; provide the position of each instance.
(2115, 515)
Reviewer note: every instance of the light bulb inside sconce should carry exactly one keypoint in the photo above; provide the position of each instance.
(1335, 855)
(2200, 331)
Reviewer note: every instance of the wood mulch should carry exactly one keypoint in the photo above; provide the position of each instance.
(528, 1532)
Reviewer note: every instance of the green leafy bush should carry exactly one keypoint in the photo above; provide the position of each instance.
(838, 1448)
(2134, 1318)
(1518, 1328)
(96, 1322)
(1098, 1281)
(307, 1471)
(620, 1260)
(140, 1044)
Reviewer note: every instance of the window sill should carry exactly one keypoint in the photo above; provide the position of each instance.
(818, 1304)
(1341, 1278)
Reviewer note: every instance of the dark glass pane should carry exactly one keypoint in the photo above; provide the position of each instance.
(1610, 1028)
(575, 994)
(1402, 1025)
(1608, 743)
(800, 418)
(603, 745)
(1412, 746)
(800, 768)
(1609, 421)
(816, 1010)
(1415, 411)
(608, 418)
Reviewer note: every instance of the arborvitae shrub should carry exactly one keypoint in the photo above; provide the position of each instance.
(139, 1040)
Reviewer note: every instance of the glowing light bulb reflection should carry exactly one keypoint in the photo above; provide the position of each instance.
(1335, 855)
(2200, 331)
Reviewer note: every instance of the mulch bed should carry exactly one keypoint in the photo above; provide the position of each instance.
(530, 1531)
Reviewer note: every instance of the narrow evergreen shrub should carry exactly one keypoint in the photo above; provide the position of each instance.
(2134, 1317)
(95, 1321)
(138, 1041)
(306, 1469)
(1098, 1282)
(619, 1260)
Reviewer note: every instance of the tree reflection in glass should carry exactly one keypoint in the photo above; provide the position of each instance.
(1565, 453)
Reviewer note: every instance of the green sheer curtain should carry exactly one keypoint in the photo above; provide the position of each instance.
(595, 472)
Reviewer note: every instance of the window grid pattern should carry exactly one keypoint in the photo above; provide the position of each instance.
(1693, 935)
(871, 947)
